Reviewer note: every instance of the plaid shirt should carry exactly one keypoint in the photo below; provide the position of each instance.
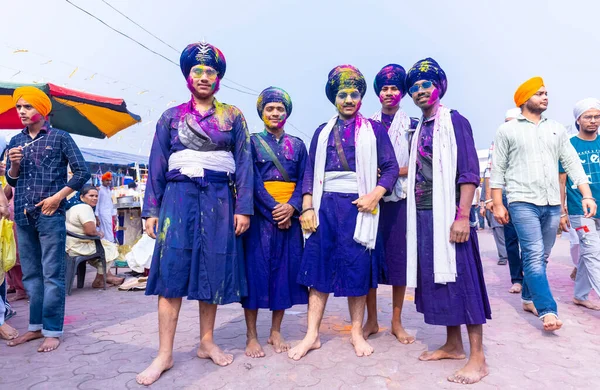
(43, 170)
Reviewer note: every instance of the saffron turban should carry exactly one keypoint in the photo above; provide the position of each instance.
(428, 69)
(584, 105)
(107, 176)
(527, 90)
(34, 96)
(343, 77)
(391, 74)
(202, 53)
(274, 95)
(512, 113)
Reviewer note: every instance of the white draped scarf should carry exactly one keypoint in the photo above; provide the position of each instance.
(365, 232)
(398, 134)
(444, 201)
(192, 163)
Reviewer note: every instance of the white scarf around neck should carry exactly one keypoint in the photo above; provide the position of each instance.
(444, 201)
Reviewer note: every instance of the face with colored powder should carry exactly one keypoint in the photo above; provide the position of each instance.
(425, 94)
(390, 96)
(347, 102)
(274, 115)
(203, 81)
(27, 113)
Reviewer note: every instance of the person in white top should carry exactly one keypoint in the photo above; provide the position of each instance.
(105, 211)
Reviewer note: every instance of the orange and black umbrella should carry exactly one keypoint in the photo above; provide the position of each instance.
(72, 111)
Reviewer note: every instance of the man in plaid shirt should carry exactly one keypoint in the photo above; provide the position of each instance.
(37, 168)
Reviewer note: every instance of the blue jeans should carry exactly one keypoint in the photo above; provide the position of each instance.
(42, 254)
(536, 228)
(511, 242)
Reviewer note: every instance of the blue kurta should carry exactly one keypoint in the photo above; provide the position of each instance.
(332, 260)
(197, 253)
(273, 255)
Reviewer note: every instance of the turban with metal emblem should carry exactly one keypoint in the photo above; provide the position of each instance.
(202, 53)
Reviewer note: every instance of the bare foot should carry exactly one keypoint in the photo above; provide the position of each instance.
(370, 327)
(402, 335)
(7, 332)
(445, 352)
(25, 338)
(530, 307)
(307, 344)
(278, 342)
(49, 344)
(17, 297)
(212, 351)
(361, 347)
(253, 348)
(551, 323)
(587, 304)
(515, 288)
(573, 274)
(471, 373)
(154, 370)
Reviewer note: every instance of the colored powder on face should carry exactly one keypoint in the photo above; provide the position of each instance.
(434, 96)
(395, 99)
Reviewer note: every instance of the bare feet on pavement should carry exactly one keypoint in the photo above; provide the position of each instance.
(573, 274)
(530, 307)
(370, 328)
(28, 336)
(445, 352)
(551, 323)
(213, 352)
(154, 370)
(361, 347)
(253, 348)
(515, 288)
(307, 344)
(401, 335)
(19, 295)
(471, 373)
(587, 304)
(49, 344)
(278, 342)
(7, 332)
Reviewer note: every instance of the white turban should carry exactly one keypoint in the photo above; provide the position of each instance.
(584, 105)
(512, 113)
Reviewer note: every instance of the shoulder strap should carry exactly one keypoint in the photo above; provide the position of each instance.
(274, 158)
(339, 148)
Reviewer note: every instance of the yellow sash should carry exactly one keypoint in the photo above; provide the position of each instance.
(281, 191)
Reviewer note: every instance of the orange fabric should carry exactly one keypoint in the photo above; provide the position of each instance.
(281, 191)
(34, 96)
(107, 176)
(527, 90)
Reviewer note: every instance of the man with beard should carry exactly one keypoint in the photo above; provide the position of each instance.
(587, 145)
(443, 251)
(201, 150)
(340, 212)
(527, 151)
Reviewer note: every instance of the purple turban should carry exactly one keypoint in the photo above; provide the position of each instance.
(391, 74)
(428, 69)
(274, 95)
(344, 76)
(202, 53)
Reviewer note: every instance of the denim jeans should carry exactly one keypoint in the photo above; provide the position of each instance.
(588, 270)
(511, 242)
(42, 252)
(536, 228)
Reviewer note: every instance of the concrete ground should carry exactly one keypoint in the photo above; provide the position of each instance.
(110, 336)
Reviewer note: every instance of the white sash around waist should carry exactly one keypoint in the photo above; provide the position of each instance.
(192, 163)
(340, 181)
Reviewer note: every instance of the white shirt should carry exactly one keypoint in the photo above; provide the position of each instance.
(105, 204)
(526, 157)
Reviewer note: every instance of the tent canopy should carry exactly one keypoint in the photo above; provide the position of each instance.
(98, 156)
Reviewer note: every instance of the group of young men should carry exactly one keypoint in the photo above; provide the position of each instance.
(259, 220)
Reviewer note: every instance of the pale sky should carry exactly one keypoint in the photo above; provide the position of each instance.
(487, 48)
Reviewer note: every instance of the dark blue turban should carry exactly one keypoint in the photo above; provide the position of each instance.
(274, 95)
(428, 69)
(342, 77)
(391, 74)
(202, 53)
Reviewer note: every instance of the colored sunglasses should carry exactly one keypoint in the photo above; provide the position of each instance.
(209, 72)
(415, 88)
(344, 95)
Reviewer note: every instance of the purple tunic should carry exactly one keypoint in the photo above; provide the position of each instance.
(273, 255)
(332, 260)
(465, 301)
(197, 253)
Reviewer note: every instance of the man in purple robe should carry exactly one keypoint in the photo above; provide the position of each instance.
(340, 212)
(443, 260)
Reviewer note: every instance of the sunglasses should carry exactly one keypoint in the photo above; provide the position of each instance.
(344, 95)
(209, 72)
(415, 88)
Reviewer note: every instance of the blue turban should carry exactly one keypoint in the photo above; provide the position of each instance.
(391, 74)
(342, 77)
(274, 95)
(202, 53)
(428, 69)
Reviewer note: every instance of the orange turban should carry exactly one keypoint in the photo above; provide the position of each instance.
(107, 176)
(34, 96)
(527, 90)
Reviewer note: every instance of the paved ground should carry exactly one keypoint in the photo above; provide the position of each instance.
(111, 335)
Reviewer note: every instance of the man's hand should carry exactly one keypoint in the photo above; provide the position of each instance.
(367, 203)
(2, 168)
(16, 155)
(403, 172)
(284, 225)
(501, 214)
(151, 225)
(490, 207)
(482, 211)
(460, 230)
(241, 223)
(100, 234)
(49, 205)
(308, 221)
(589, 207)
(282, 212)
(4, 213)
(565, 224)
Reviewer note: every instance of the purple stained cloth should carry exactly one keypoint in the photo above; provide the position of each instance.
(392, 227)
(226, 127)
(467, 161)
(463, 302)
(386, 159)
